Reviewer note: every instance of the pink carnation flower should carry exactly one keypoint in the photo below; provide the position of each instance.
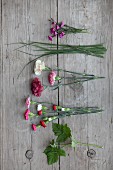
(51, 77)
(28, 103)
(34, 127)
(36, 87)
(26, 114)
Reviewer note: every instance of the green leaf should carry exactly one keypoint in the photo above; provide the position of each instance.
(62, 132)
(53, 154)
(62, 152)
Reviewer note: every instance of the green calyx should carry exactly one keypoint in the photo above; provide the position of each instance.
(31, 114)
(57, 78)
(44, 108)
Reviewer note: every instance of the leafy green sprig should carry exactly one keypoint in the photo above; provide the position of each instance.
(55, 149)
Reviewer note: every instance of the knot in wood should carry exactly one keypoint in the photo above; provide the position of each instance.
(29, 154)
(91, 153)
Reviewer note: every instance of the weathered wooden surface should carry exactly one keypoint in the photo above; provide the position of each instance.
(28, 20)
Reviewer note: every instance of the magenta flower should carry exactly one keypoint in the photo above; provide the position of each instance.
(61, 34)
(50, 38)
(34, 127)
(51, 77)
(28, 103)
(62, 24)
(55, 33)
(52, 30)
(26, 114)
(53, 23)
(57, 27)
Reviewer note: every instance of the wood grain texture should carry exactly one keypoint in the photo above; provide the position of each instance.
(23, 20)
(96, 128)
(28, 20)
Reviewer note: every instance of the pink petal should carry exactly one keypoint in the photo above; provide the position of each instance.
(27, 112)
(34, 127)
(62, 24)
(55, 33)
(26, 117)
(28, 102)
(50, 38)
(57, 27)
(52, 30)
(61, 34)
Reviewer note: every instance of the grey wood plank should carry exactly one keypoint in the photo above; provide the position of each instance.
(73, 95)
(15, 134)
(22, 20)
(97, 16)
(1, 85)
(42, 137)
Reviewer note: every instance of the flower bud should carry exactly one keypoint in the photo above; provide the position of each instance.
(40, 112)
(54, 107)
(42, 123)
(34, 127)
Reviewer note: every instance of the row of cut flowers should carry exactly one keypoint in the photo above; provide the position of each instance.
(55, 80)
(54, 110)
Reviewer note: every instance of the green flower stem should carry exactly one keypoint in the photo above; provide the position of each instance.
(55, 87)
(32, 115)
(86, 144)
(74, 111)
(84, 77)
(77, 80)
(70, 72)
(63, 145)
(69, 110)
(49, 119)
(79, 143)
(47, 69)
(49, 49)
(33, 102)
(69, 30)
